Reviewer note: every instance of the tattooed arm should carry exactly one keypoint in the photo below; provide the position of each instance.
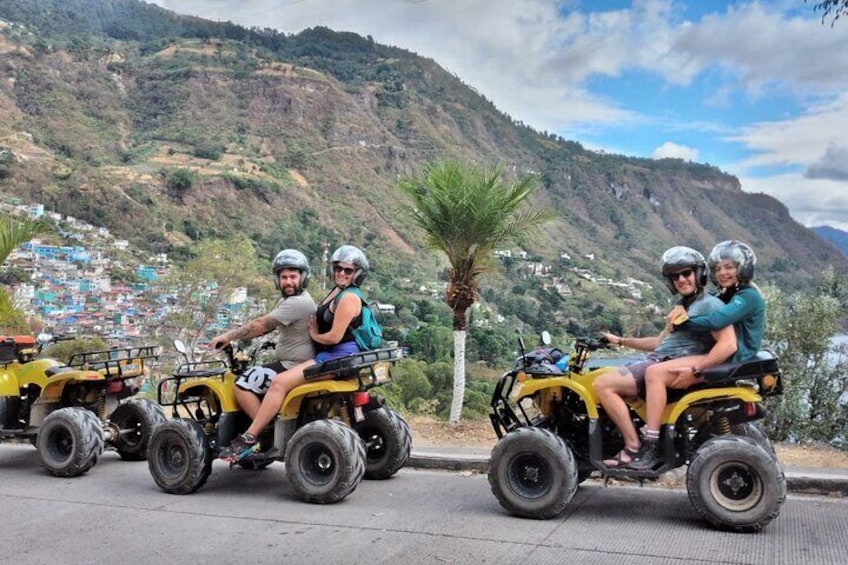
(254, 328)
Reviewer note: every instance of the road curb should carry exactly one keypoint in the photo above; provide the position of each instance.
(820, 482)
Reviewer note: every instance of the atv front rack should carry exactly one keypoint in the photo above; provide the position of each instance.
(188, 371)
(116, 363)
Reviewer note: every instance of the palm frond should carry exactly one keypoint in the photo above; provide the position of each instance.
(15, 231)
(468, 212)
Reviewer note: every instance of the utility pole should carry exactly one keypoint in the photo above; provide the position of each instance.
(326, 247)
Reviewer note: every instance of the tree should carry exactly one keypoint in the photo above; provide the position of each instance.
(201, 289)
(836, 8)
(13, 232)
(815, 383)
(467, 212)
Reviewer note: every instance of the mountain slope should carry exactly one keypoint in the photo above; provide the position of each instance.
(167, 128)
(837, 238)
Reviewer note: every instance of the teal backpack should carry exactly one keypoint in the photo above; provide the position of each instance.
(369, 334)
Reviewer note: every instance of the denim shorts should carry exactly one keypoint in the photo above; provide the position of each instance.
(639, 369)
(343, 349)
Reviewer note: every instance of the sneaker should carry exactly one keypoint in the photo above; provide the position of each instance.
(647, 457)
(242, 447)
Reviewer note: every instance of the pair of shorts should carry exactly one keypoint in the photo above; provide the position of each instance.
(639, 369)
(343, 349)
(258, 379)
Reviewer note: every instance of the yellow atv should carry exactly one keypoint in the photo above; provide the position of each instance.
(330, 432)
(553, 434)
(71, 411)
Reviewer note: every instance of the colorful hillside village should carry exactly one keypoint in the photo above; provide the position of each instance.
(75, 289)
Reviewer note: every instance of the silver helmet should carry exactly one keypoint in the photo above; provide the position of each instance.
(680, 257)
(291, 259)
(733, 250)
(354, 256)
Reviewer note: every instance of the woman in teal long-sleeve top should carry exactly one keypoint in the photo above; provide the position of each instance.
(731, 265)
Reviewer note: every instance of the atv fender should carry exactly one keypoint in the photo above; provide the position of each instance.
(531, 387)
(36, 372)
(52, 391)
(291, 405)
(673, 412)
(221, 389)
(9, 383)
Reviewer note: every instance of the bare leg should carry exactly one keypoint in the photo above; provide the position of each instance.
(273, 400)
(610, 387)
(657, 379)
(247, 401)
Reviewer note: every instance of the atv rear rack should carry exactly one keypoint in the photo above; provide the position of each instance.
(371, 368)
(116, 363)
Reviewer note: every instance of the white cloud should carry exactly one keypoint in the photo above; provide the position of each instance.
(800, 140)
(819, 202)
(671, 150)
(833, 165)
(762, 47)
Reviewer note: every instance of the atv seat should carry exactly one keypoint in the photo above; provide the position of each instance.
(347, 367)
(762, 369)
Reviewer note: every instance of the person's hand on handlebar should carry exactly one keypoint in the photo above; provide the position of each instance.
(218, 342)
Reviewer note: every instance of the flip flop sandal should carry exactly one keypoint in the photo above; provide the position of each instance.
(619, 458)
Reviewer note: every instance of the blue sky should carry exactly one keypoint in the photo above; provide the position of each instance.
(759, 89)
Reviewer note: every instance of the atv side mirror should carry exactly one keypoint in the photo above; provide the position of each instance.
(180, 346)
(546, 337)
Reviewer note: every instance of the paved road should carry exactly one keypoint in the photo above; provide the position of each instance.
(116, 514)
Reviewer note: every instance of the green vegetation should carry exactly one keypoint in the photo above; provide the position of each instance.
(467, 213)
(180, 180)
(815, 370)
(15, 231)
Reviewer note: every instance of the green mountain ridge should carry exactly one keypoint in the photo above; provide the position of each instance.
(168, 129)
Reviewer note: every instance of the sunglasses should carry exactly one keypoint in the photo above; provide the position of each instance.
(685, 274)
(346, 270)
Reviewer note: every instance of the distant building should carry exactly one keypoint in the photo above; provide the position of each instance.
(386, 308)
(238, 296)
(35, 210)
(146, 273)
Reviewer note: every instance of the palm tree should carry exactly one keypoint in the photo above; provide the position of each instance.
(467, 213)
(13, 232)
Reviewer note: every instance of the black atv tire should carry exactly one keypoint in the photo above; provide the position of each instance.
(179, 456)
(753, 430)
(325, 461)
(388, 442)
(533, 473)
(70, 441)
(583, 475)
(735, 484)
(135, 421)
